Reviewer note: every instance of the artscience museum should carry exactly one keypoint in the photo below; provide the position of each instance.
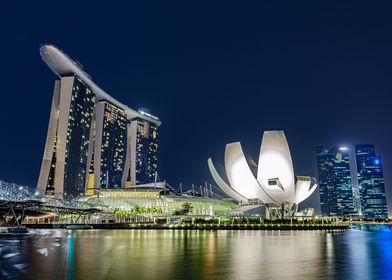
(271, 182)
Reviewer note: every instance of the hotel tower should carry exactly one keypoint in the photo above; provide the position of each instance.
(93, 140)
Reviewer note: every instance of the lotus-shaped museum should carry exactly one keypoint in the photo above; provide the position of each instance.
(271, 182)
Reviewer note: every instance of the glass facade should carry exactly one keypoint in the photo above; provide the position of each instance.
(336, 194)
(78, 132)
(146, 151)
(371, 182)
(113, 148)
(326, 179)
(357, 200)
(130, 199)
(93, 144)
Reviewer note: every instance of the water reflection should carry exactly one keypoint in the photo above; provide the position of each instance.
(365, 252)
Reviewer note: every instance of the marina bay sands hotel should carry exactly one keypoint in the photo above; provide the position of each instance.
(93, 140)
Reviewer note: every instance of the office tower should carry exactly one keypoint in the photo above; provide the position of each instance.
(89, 143)
(326, 178)
(336, 194)
(357, 200)
(371, 182)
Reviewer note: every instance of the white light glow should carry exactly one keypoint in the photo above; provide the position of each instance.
(275, 165)
(240, 176)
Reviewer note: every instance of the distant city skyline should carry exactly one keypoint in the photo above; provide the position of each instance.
(351, 184)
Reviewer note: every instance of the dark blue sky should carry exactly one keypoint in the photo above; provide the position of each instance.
(213, 74)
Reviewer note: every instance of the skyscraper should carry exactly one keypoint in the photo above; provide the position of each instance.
(144, 136)
(336, 194)
(371, 182)
(326, 182)
(110, 145)
(91, 142)
(64, 165)
(357, 200)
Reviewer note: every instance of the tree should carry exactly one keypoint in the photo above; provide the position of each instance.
(184, 210)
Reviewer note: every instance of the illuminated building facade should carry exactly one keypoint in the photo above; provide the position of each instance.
(156, 195)
(110, 145)
(146, 151)
(270, 182)
(371, 182)
(336, 193)
(91, 143)
(357, 200)
(64, 166)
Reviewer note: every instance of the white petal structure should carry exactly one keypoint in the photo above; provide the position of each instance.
(275, 169)
(223, 185)
(274, 183)
(240, 175)
(304, 187)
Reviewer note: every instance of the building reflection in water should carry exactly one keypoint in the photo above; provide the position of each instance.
(69, 267)
(276, 255)
(362, 253)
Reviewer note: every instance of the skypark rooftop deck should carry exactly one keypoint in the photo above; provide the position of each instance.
(61, 64)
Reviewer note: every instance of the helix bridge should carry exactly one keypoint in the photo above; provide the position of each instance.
(18, 201)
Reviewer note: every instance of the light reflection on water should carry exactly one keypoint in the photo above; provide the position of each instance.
(364, 252)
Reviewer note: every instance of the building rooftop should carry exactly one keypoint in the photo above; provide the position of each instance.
(61, 64)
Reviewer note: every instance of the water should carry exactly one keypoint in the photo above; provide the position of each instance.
(360, 253)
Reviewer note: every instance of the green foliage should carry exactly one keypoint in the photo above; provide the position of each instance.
(161, 221)
(64, 216)
(226, 221)
(254, 220)
(137, 211)
(203, 221)
(187, 221)
(184, 210)
(211, 221)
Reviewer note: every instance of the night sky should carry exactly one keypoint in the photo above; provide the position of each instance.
(213, 74)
